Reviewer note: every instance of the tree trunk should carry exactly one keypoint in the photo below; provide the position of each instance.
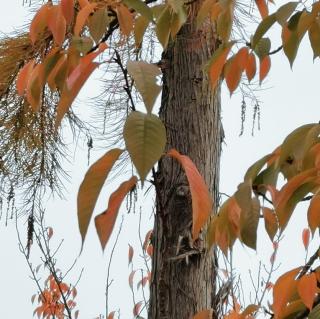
(183, 277)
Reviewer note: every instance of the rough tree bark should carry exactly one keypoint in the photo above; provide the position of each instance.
(183, 280)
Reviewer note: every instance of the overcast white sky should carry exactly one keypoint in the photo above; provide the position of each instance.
(291, 100)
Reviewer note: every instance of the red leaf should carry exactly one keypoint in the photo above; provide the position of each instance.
(136, 308)
(150, 250)
(306, 238)
(265, 65)
(131, 278)
(67, 7)
(50, 232)
(307, 289)
(23, 77)
(147, 239)
(201, 199)
(105, 221)
(251, 67)
(262, 7)
(130, 254)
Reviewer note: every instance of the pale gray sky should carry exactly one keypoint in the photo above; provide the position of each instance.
(291, 100)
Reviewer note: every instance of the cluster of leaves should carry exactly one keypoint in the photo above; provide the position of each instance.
(50, 299)
(294, 23)
(297, 159)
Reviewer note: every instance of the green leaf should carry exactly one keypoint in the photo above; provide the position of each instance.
(140, 7)
(249, 218)
(291, 46)
(98, 24)
(82, 44)
(145, 80)
(224, 24)
(163, 26)
(262, 29)
(91, 186)
(254, 169)
(262, 48)
(295, 147)
(285, 11)
(145, 138)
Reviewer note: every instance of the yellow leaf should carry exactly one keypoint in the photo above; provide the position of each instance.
(91, 186)
(145, 138)
(145, 80)
(125, 18)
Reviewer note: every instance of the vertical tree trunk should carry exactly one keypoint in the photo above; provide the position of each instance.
(183, 280)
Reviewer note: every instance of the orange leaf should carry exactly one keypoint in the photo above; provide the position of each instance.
(83, 16)
(251, 67)
(283, 289)
(306, 238)
(23, 77)
(270, 222)
(34, 88)
(91, 186)
(205, 314)
(265, 65)
(125, 18)
(57, 24)
(130, 254)
(68, 95)
(67, 7)
(111, 315)
(105, 221)
(201, 199)
(217, 62)
(283, 205)
(83, 3)
(75, 82)
(314, 213)
(307, 289)
(236, 68)
(39, 22)
(262, 7)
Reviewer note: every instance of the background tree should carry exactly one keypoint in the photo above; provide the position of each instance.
(50, 24)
